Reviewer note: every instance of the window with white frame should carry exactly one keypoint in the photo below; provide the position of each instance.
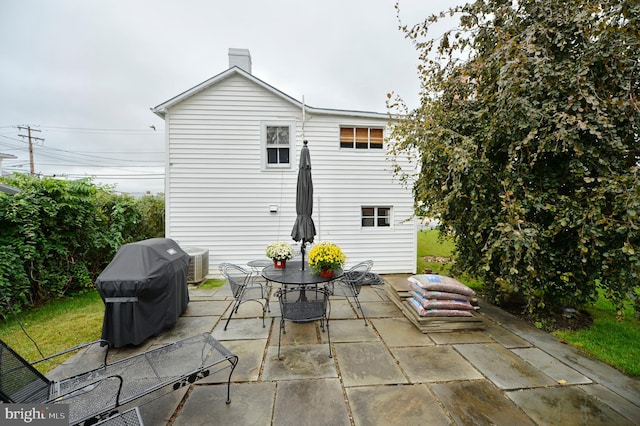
(361, 137)
(277, 143)
(375, 217)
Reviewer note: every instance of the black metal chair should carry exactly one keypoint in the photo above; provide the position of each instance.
(98, 393)
(246, 287)
(350, 284)
(304, 304)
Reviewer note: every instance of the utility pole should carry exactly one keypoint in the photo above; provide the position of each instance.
(29, 130)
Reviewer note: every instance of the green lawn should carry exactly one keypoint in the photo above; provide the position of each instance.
(55, 327)
(65, 323)
(616, 342)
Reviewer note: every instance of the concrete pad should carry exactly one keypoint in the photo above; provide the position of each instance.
(479, 403)
(550, 366)
(506, 338)
(187, 327)
(434, 364)
(461, 336)
(621, 405)
(352, 330)
(380, 310)
(502, 367)
(206, 308)
(251, 404)
(395, 405)
(310, 402)
(297, 333)
(367, 363)
(242, 329)
(566, 406)
(250, 354)
(299, 362)
(400, 332)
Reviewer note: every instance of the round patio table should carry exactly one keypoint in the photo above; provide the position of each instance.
(293, 274)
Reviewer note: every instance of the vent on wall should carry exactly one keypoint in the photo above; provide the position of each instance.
(198, 264)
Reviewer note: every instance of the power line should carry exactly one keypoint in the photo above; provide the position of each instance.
(93, 129)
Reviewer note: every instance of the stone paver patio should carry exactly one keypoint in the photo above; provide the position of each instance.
(388, 372)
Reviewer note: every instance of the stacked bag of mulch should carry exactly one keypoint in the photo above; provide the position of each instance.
(440, 296)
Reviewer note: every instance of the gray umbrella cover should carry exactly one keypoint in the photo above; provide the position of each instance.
(303, 229)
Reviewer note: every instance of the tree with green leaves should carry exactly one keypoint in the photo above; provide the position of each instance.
(528, 137)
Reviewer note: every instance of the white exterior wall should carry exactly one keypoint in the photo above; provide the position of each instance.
(218, 195)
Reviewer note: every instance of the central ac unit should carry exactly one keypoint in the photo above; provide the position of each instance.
(198, 264)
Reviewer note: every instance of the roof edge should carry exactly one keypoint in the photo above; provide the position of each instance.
(161, 109)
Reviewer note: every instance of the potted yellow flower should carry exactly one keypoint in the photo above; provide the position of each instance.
(280, 252)
(325, 257)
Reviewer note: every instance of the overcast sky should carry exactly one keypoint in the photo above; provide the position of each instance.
(86, 73)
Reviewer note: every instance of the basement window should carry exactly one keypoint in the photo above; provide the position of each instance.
(376, 217)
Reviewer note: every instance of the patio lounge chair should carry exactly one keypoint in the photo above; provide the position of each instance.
(246, 287)
(96, 394)
(304, 304)
(350, 284)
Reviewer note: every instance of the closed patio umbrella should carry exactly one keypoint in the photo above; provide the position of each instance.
(303, 229)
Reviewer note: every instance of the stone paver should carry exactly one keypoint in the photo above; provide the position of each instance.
(502, 367)
(380, 310)
(572, 406)
(400, 332)
(462, 336)
(550, 366)
(250, 356)
(342, 309)
(310, 402)
(299, 362)
(506, 338)
(395, 405)
(620, 404)
(368, 363)
(434, 364)
(186, 327)
(296, 333)
(200, 308)
(350, 331)
(479, 402)
(242, 329)
(251, 404)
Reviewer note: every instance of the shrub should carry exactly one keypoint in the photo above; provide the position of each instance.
(56, 236)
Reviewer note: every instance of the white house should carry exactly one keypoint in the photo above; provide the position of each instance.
(232, 146)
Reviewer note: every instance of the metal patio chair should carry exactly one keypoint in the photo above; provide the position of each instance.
(304, 304)
(97, 394)
(246, 287)
(350, 284)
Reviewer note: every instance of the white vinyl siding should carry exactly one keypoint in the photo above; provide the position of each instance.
(219, 194)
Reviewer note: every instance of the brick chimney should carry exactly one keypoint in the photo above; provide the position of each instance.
(240, 58)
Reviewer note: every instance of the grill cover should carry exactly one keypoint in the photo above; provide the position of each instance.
(144, 289)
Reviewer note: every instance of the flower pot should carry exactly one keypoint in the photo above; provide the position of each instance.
(277, 263)
(326, 273)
